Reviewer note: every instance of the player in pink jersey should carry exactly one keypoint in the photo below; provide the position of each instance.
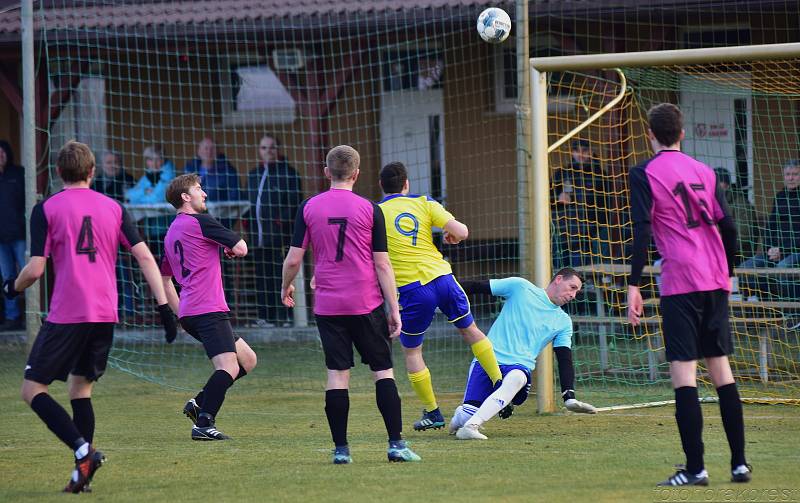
(191, 256)
(678, 201)
(81, 230)
(353, 276)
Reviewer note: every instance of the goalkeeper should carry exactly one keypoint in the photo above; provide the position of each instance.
(530, 319)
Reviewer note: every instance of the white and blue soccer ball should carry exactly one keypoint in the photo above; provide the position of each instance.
(494, 25)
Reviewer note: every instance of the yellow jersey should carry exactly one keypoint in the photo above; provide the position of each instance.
(410, 220)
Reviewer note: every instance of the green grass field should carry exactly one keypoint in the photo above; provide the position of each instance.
(281, 451)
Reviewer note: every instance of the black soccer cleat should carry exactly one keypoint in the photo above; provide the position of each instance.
(208, 433)
(684, 478)
(85, 469)
(742, 473)
(430, 420)
(191, 410)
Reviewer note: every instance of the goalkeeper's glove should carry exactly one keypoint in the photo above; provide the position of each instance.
(577, 406)
(169, 322)
(8, 288)
(506, 411)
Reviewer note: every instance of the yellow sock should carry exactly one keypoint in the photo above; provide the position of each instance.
(484, 352)
(423, 387)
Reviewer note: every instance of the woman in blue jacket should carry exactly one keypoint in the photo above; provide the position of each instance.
(151, 189)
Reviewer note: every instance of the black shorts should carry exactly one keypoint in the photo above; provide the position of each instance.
(696, 325)
(369, 333)
(61, 349)
(213, 330)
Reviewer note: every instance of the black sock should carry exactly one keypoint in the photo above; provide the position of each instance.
(83, 417)
(198, 399)
(389, 404)
(690, 426)
(337, 408)
(730, 407)
(57, 420)
(215, 390)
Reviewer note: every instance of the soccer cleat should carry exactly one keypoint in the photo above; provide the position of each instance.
(742, 473)
(208, 433)
(85, 469)
(684, 478)
(430, 420)
(191, 410)
(470, 432)
(399, 452)
(341, 455)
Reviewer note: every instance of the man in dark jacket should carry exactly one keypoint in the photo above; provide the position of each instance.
(113, 180)
(274, 191)
(782, 233)
(12, 228)
(220, 179)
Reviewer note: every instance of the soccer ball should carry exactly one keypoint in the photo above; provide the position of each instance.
(494, 25)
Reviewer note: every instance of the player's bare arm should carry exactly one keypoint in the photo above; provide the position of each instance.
(239, 250)
(152, 275)
(32, 271)
(291, 266)
(173, 299)
(455, 232)
(383, 268)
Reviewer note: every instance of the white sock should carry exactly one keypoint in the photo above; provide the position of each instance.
(512, 383)
(82, 451)
(462, 414)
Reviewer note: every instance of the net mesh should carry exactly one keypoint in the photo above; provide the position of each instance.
(145, 83)
(739, 119)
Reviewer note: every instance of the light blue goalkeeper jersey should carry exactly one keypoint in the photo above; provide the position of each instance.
(527, 322)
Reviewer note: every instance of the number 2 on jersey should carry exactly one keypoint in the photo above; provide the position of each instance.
(85, 245)
(179, 250)
(342, 223)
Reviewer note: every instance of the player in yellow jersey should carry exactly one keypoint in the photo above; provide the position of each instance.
(425, 281)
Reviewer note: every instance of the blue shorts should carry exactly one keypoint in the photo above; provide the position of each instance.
(418, 306)
(479, 386)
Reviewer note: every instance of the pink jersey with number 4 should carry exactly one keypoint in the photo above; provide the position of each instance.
(81, 230)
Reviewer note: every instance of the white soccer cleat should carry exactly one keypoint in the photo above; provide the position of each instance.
(580, 407)
(470, 432)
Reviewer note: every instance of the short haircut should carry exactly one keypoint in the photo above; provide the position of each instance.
(792, 163)
(275, 139)
(342, 162)
(567, 273)
(75, 162)
(723, 175)
(393, 177)
(665, 120)
(153, 152)
(116, 154)
(180, 185)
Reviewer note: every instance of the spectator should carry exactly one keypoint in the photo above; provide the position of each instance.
(274, 192)
(781, 238)
(12, 228)
(152, 189)
(744, 215)
(112, 180)
(220, 179)
(579, 214)
(782, 234)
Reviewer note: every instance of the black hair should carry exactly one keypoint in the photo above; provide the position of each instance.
(393, 177)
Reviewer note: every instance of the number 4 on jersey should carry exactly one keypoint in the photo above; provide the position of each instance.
(85, 245)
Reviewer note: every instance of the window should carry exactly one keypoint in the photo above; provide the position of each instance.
(253, 94)
(416, 68)
(505, 75)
